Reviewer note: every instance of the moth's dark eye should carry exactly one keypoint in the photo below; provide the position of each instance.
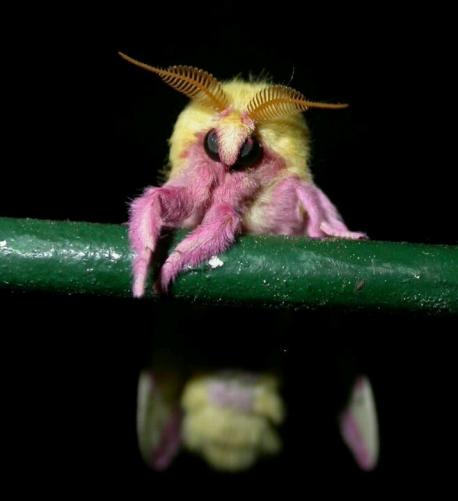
(211, 145)
(250, 152)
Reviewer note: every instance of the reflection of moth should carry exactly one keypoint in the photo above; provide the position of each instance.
(158, 419)
(239, 157)
(231, 419)
(359, 425)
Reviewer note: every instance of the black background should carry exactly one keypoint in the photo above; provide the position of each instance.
(84, 133)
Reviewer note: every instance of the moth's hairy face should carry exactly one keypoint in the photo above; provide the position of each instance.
(232, 141)
(231, 138)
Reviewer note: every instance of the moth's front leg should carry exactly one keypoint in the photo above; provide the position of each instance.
(323, 217)
(218, 229)
(215, 234)
(149, 213)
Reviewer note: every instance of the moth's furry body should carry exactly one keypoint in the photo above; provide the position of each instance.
(217, 198)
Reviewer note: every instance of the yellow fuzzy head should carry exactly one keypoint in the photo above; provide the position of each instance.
(237, 112)
(287, 136)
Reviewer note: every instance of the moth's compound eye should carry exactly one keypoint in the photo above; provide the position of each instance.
(211, 145)
(250, 152)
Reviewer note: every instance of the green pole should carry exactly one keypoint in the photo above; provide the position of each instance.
(88, 258)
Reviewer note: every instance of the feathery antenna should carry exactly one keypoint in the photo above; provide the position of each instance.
(279, 100)
(190, 81)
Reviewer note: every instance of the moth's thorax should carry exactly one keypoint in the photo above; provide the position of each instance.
(287, 137)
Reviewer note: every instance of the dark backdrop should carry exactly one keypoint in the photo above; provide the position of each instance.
(85, 132)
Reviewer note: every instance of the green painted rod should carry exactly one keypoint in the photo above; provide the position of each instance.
(88, 258)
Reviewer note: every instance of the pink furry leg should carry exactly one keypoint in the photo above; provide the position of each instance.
(215, 234)
(148, 214)
(324, 219)
(334, 225)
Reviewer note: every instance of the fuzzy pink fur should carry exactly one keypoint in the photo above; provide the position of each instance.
(181, 202)
(284, 212)
(323, 218)
(218, 229)
(212, 199)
